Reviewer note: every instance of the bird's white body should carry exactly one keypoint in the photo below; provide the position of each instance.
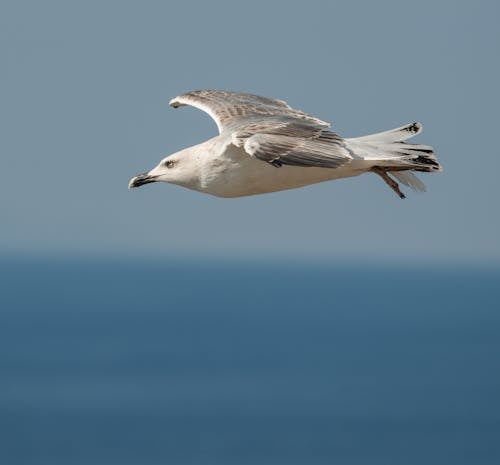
(224, 170)
(264, 146)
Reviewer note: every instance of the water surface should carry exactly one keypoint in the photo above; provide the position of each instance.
(143, 363)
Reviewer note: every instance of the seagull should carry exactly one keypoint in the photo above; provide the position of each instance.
(264, 145)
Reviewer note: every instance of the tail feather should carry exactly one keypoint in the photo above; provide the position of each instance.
(389, 153)
(393, 135)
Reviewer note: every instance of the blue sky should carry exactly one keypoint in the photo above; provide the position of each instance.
(84, 106)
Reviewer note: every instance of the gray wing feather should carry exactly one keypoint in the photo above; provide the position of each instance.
(325, 151)
(270, 147)
(233, 109)
(282, 126)
(269, 129)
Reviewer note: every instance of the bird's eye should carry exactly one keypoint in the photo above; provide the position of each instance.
(169, 163)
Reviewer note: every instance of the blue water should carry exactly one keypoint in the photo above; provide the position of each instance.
(141, 363)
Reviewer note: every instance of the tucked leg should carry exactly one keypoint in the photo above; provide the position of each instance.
(382, 172)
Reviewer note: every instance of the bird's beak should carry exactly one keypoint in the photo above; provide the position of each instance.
(141, 179)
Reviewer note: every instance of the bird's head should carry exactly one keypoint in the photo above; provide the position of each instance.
(178, 168)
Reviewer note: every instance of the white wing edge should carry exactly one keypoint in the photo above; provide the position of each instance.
(181, 101)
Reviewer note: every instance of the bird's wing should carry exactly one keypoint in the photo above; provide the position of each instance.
(232, 109)
(270, 129)
(323, 150)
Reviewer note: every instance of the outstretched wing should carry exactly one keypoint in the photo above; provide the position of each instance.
(231, 109)
(270, 129)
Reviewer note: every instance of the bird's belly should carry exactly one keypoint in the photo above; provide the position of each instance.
(249, 176)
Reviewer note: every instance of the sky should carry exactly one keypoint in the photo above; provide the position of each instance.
(84, 107)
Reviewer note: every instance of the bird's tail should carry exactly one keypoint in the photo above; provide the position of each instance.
(389, 153)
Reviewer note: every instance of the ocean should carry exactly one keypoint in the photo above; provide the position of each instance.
(108, 362)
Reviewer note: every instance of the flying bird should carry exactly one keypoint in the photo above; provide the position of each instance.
(264, 145)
